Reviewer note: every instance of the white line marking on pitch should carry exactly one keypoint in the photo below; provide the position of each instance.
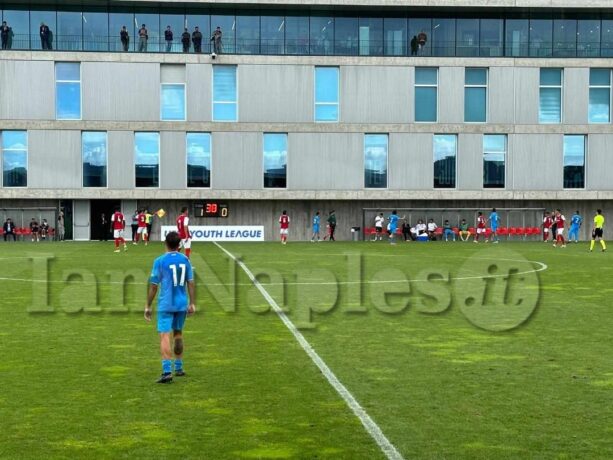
(371, 427)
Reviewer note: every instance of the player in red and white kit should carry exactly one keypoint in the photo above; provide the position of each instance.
(183, 230)
(547, 223)
(480, 226)
(284, 224)
(141, 232)
(560, 220)
(119, 223)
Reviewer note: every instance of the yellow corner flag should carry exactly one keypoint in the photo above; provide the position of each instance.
(161, 213)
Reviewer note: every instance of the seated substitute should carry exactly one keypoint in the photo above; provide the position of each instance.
(448, 231)
(464, 232)
(432, 229)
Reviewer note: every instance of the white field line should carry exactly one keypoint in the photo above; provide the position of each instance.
(369, 424)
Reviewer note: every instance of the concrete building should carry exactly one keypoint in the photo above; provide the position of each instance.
(319, 105)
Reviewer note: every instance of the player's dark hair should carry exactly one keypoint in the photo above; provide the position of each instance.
(116, 208)
(599, 211)
(493, 209)
(480, 213)
(317, 213)
(394, 211)
(173, 240)
(284, 211)
(183, 209)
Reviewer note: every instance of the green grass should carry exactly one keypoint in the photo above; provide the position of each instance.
(79, 361)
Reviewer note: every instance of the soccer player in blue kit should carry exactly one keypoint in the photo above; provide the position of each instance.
(575, 225)
(172, 275)
(393, 226)
(494, 219)
(316, 222)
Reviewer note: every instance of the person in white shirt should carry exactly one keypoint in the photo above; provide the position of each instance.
(379, 221)
(419, 229)
(432, 229)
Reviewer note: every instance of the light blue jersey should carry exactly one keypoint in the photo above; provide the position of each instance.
(171, 272)
(576, 220)
(316, 222)
(393, 219)
(494, 220)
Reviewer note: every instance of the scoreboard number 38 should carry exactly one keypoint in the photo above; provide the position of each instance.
(211, 209)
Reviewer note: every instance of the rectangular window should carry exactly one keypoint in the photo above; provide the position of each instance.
(426, 94)
(68, 90)
(375, 160)
(147, 159)
(275, 160)
(198, 146)
(600, 96)
(225, 100)
(15, 158)
(494, 153)
(574, 161)
(94, 158)
(475, 95)
(326, 93)
(172, 101)
(445, 147)
(550, 96)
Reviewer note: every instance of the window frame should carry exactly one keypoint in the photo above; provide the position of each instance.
(455, 179)
(387, 160)
(505, 156)
(484, 86)
(162, 85)
(27, 154)
(187, 186)
(236, 94)
(338, 92)
(69, 81)
(159, 152)
(286, 161)
(422, 85)
(106, 143)
(585, 153)
(560, 87)
(608, 87)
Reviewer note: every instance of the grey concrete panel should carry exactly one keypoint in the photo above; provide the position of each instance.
(376, 95)
(54, 159)
(451, 94)
(501, 100)
(526, 95)
(237, 161)
(172, 73)
(470, 162)
(120, 160)
(536, 162)
(599, 174)
(120, 91)
(332, 161)
(410, 161)
(27, 90)
(576, 95)
(173, 161)
(276, 93)
(198, 92)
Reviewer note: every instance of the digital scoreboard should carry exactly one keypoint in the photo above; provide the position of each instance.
(211, 209)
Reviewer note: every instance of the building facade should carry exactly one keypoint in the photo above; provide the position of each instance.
(504, 104)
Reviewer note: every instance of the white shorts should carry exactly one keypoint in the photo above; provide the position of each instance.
(560, 231)
(142, 230)
(545, 229)
(480, 230)
(284, 231)
(117, 233)
(186, 243)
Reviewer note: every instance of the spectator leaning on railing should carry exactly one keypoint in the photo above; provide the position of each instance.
(6, 35)
(124, 36)
(168, 36)
(197, 40)
(185, 40)
(143, 36)
(216, 39)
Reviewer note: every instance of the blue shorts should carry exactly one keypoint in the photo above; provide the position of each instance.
(315, 228)
(494, 229)
(393, 229)
(171, 320)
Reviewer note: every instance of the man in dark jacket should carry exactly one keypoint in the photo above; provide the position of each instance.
(45, 36)
(185, 40)
(168, 36)
(216, 39)
(5, 31)
(197, 40)
(124, 36)
(143, 37)
(331, 225)
(9, 229)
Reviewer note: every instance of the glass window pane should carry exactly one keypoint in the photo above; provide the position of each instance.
(326, 84)
(443, 38)
(588, 38)
(39, 39)
(421, 30)
(224, 83)
(94, 159)
(118, 19)
(69, 30)
(322, 35)
(541, 31)
(147, 159)
(395, 35)
(425, 104)
(564, 37)
(550, 108)
(517, 33)
(151, 20)
(19, 22)
(327, 112)
(371, 37)
(491, 38)
(176, 21)
(600, 77)
(227, 23)
(248, 34)
(173, 102)
(198, 147)
(224, 112)
(475, 103)
(467, 37)
(15, 168)
(68, 101)
(494, 146)
(599, 107)
(551, 77)
(476, 76)
(375, 160)
(346, 37)
(275, 160)
(14, 140)
(67, 71)
(297, 34)
(426, 76)
(95, 31)
(273, 33)
(606, 45)
(494, 143)
(574, 161)
(444, 160)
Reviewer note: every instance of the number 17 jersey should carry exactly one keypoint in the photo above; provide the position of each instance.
(171, 272)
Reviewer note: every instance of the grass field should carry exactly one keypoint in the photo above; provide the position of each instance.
(412, 331)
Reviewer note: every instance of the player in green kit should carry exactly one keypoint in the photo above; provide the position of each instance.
(597, 232)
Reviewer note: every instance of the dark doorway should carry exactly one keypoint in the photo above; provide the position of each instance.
(102, 230)
(66, 208)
